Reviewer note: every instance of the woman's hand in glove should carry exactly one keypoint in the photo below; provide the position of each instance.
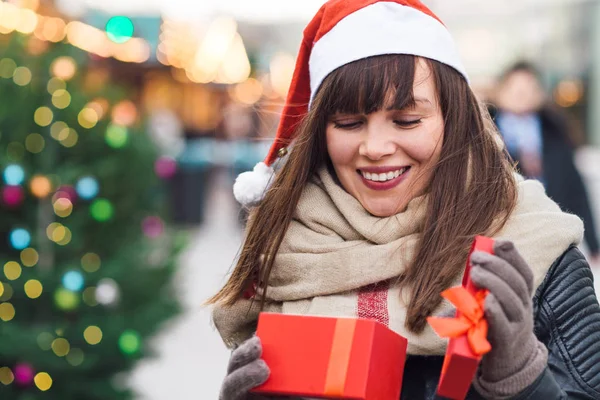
(517, 358)
(245, 372)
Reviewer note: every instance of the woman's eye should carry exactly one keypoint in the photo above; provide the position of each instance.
(407, 124)
(347, 125)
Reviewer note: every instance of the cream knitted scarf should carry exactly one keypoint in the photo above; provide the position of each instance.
(336, 259)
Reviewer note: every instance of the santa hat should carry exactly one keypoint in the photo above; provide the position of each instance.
(341, 32)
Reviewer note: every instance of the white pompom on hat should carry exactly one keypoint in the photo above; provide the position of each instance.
(341, 32)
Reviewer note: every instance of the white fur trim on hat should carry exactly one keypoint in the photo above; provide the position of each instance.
(378, 29)
(250, 187)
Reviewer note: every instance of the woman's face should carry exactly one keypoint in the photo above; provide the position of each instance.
(385, 159)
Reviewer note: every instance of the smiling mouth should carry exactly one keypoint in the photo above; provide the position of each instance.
(383, 177)
(382, 181)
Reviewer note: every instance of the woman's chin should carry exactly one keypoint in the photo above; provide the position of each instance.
(383, 209)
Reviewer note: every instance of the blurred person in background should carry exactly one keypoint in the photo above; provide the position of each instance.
(537, 138)
(387, 167)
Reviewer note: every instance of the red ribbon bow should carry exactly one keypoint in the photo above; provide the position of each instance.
(470, 320)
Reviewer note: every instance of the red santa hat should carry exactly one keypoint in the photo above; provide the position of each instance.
(341, 32)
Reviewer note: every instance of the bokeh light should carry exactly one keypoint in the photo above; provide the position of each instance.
(101, 210)
(44, 340)
(7, 292)
(71, 139)
(22, 76)
(87, 118)
(116, 136)
(100, 105)
(90, 262)
(107, 292)
(20, 238)
(23, 374)
(63, 207)
(66, 192)
(6, 376)
(130, 342)
(35, 143)
(29, 257)
(7, 312)
(13, 196)
(58, 130)
(37, 47)
(29, 20)
(43, 381)
(40, 186)
(124, 113)
(61, 99)
(61, 347)
(73, 280)
(165, 167)
(33, 288)
(14, 175)
(92, 335)
(153, 227)
(65, 299)
(119, 29)
(62, 235)
(75, 357)
(7, 68)
(87, 187)
(43, 116)
(12, 270)
(1, 289)
(64, 68)
(248, 92)
(55, 84)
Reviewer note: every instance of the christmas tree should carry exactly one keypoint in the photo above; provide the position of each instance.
(85, 254)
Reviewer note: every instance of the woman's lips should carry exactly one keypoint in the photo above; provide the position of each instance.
(386, 185)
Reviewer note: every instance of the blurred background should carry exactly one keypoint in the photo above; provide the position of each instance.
(123, 124)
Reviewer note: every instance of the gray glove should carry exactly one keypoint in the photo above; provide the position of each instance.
(245, 372)
(517, 358)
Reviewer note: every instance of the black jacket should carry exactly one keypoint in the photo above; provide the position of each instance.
(562, 179)
(567, 321)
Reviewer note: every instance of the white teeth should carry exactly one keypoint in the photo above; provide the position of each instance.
(383, 176)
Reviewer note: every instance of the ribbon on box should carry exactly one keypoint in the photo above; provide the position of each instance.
(339, 359)
(470, 321)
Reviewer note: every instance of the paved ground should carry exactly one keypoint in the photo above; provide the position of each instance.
(192, 358)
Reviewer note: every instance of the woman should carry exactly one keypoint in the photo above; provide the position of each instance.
(536, 136)
(391, 169)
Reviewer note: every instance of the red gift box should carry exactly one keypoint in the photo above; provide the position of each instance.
(468, 331)
(332, 358)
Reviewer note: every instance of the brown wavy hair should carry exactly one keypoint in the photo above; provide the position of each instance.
(472, 190)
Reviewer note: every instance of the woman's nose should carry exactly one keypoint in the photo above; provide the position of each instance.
(376, 144)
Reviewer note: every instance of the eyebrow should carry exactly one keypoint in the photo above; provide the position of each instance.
(411, 104)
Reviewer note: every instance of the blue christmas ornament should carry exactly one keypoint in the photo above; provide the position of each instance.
(73, 281)
(20, 239)
(87, 188)
(14, 175)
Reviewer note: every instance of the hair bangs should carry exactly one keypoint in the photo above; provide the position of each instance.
(369, 85)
